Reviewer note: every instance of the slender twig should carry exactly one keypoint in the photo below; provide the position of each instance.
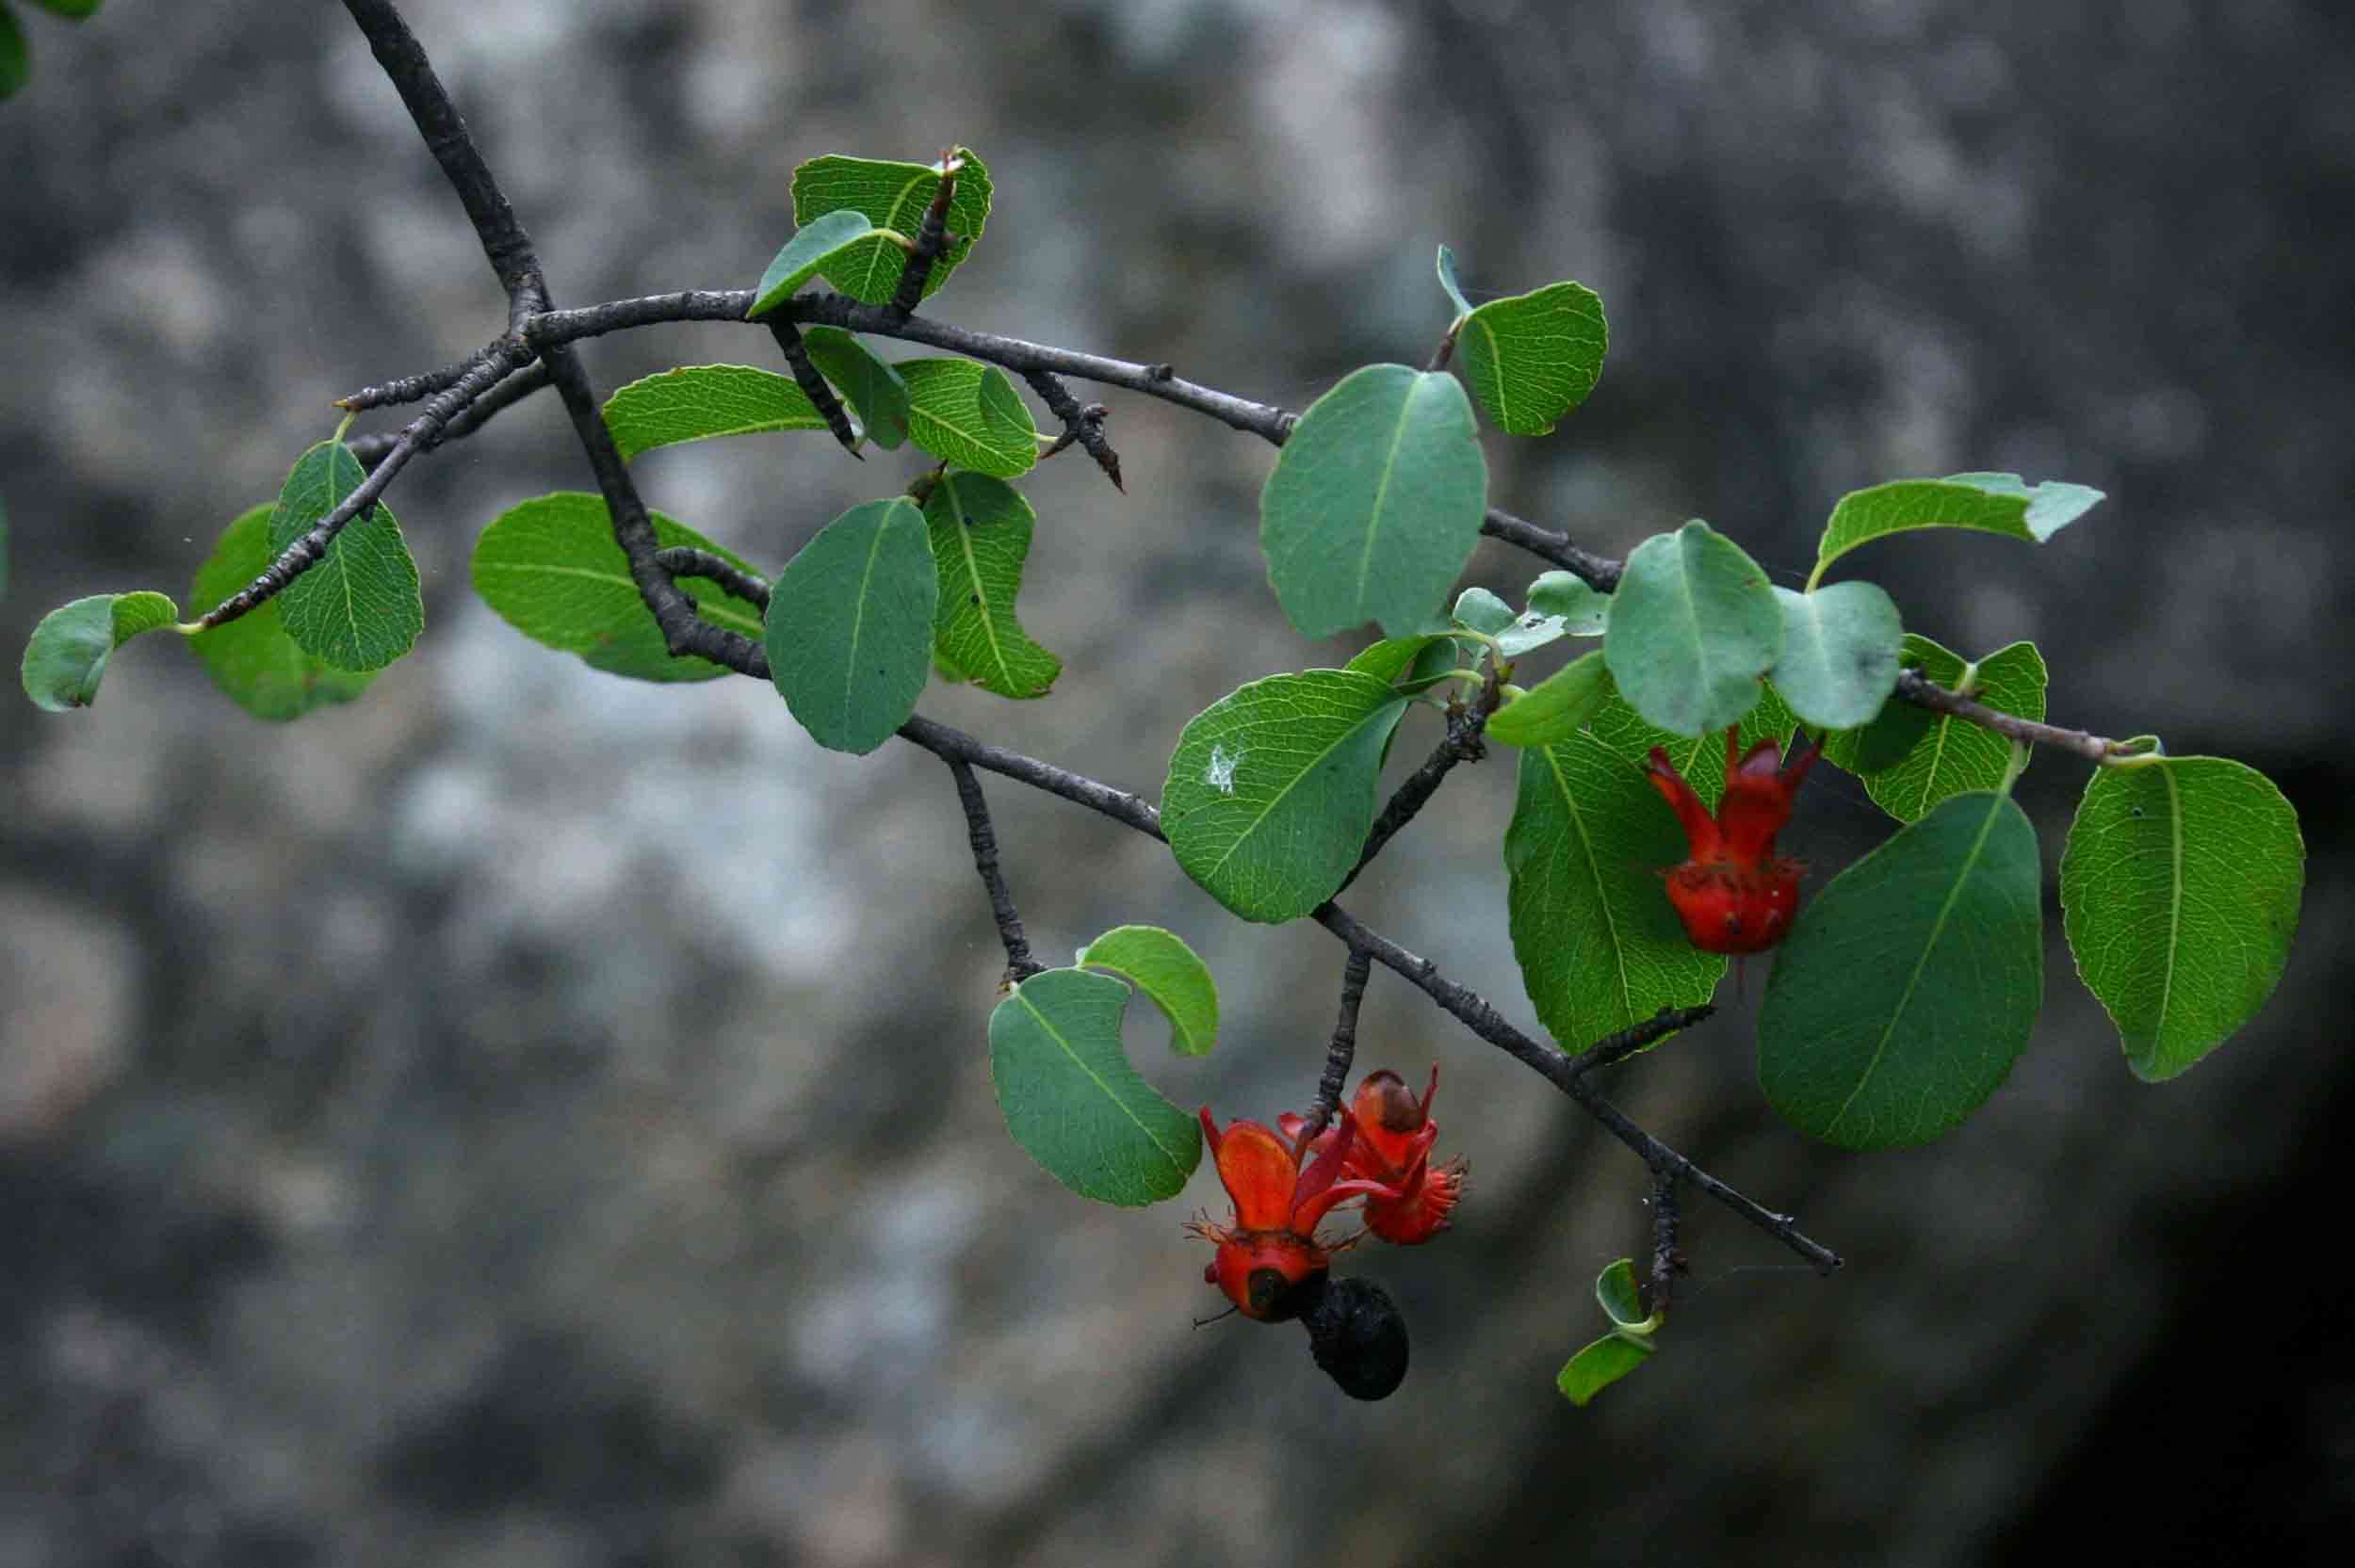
(309, 550)
(684, 560)
(1925, 693)
(1612, 1049)
(1667, 1262)
(1600, 572)
(371, 449)
(1465, 721)
(409, 389)
(932, 237)
(1020, 965)
(1084, 425)
(1343, 1052)
(504, 242)
(813, 385)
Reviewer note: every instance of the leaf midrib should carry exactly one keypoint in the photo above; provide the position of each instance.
(1289, 785)
(1056, 1035)
(1938, 927)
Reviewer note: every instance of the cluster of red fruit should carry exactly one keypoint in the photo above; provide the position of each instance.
(1271, 1263)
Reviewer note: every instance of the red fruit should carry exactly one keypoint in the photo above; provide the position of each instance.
(1267, 1260)
(1392, 1147)
(1734, 893)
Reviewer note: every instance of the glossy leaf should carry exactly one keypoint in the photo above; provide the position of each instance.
(1694, 625)
(1599, 944)
(980, 529)
(1375, 504)
(849, 626)
(1535, 356)
(1556, 707)
(66, 656)
(1173, 979)
(1840, 647)
(2180, 893)
(968, 415)
(813, 245)
(872, 387)
(1483, 611)
(359, 607)
(1072, 1100)
(1910, 759)
(1271, 791)
(1600, 1365)
(698, 401)
(1909, 984)
(550, 568)
(1992, 503)
(1560, 605)
(892, 196)
(252, 660)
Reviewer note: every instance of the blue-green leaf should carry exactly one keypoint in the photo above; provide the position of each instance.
(850, 629)
(1839, 648)
(66, 656)
(1694, 625)
(874, 388)
(1173, 979)
(1535, 356)
(1375, 504)
(1992, 503)
(893, 196)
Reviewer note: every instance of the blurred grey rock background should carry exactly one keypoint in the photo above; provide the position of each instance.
(530, 1118)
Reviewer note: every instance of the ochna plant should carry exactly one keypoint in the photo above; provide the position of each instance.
(1656, 767)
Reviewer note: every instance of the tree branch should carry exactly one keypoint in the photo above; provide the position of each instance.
(1924, 693)
(1020, 965)
(684, 560)
(1465, 723)
(931, 237)
(1667, 1262)
(1343, 1052)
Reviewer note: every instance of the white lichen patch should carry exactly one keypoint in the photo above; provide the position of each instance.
(1220, 774)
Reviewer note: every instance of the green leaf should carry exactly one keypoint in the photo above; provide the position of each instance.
(968, 415)
(1993, 502)
(1394, 656)
(1621, 1298)
(1556, 707)
(1483, 611)
(1159, 963)
(73, 10)
(1573, 601)
(697, 402)
(813, 245)
(359, 607)
(66, 656)
(1694, 626)
(893, 196)
(1270, 792)
(1560, 605)
(1840, 647)
(980, 529)
(874, 388)
(1448, 282)
(550, 568)
(1600, 1365)
(1910, 985)
(2180, 892)
(251, 658)
(850, 633)
(1375, 503)
(1700, 758)
(1599, 944)
(16, 59)
(1072, 1100)
(1535, 356)
(1910, 759)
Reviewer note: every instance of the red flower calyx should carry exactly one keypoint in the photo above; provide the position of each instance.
(1392, 1147)
(1734, 893)
(1269, 1261)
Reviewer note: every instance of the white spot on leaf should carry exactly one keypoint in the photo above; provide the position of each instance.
(1220, 774)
